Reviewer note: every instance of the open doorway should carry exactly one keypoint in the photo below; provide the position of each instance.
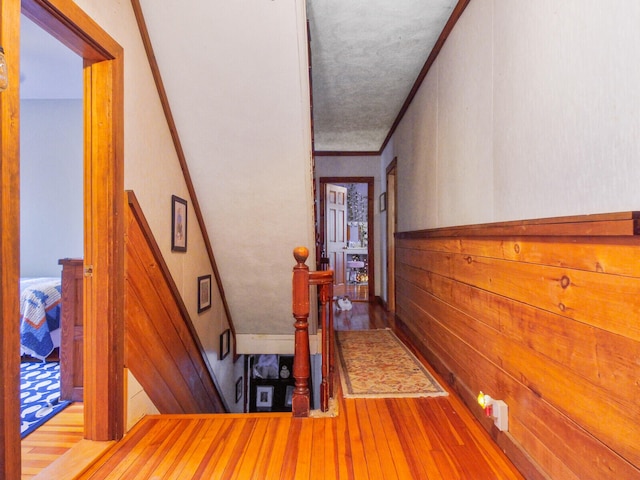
(103, 281)
(346, 223)
(51, 214)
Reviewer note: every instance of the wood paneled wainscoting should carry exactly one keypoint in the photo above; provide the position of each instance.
(544, 315)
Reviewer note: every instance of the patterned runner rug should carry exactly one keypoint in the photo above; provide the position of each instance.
(375, 363)
(39, 394)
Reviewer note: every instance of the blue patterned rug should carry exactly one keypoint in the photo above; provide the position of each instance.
(39, 394)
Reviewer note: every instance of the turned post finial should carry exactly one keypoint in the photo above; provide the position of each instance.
(301, 254)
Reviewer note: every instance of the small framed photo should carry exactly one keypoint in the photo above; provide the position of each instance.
(238, 389)
(204, 293)
(264, 396)
(383, 201)
(288, 397)
(225, 343)
(178, 224)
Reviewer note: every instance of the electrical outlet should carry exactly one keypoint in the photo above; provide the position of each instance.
(500, 415)
(496, 409)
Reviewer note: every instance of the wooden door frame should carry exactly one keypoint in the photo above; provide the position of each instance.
(392, 225)
(103, 217)
(371, 224)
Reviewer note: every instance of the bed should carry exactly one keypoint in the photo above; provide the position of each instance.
(51, 317)
(40, 307)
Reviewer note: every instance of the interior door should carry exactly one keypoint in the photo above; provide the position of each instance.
(336, 228)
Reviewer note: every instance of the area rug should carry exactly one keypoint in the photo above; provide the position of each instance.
(375, 363)
(39, 394)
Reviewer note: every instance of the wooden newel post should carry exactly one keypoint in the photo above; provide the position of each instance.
(300, 403)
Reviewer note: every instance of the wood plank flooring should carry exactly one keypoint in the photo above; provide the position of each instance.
(404, 438)
(419, 438)
(372, 438)
(357, 293)
(51, 440)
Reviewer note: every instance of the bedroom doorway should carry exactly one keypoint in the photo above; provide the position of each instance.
(51, 222)
(103, 213)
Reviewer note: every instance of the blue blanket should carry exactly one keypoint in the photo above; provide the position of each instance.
(39, 316)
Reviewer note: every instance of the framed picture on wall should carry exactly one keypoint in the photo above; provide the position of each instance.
(225, 343)
(238, 389)
(264, 396)
(204, 293)
(178, 224)
(383, 201)
(288, 397)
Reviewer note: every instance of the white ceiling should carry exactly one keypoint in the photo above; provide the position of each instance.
(366, 56)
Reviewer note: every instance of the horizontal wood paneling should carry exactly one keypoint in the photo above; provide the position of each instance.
(548, 324)
(600, 300)
(589, 254)
(161, 347)
(605, 224)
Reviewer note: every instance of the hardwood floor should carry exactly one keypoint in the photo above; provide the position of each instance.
(382, 438)
(53, 439)
(357, 293)
(421, 438)
(362, 316)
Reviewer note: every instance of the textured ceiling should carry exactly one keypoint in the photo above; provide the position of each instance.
(365, 57)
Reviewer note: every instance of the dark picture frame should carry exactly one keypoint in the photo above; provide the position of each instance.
(178, 224)
(383, 201)
(225, 343)
(238, 389)
(204, 293)
(264, 396)
(288, 396)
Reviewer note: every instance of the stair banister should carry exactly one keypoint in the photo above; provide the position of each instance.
(301, 369)
(324, 280)
(302, 280)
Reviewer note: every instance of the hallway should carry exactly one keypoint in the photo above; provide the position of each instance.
(363, 316)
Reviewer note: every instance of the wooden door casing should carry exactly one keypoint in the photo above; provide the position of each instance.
(370, 218)
(104, 237)
(392, 227)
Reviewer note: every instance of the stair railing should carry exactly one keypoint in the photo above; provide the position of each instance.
(302, 280)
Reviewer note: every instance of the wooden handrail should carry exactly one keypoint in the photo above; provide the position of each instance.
(302, 280)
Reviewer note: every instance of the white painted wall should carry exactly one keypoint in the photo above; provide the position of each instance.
(236, 75)
(531, 110)
(237, 80)
(152, 171)
(51, 196)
